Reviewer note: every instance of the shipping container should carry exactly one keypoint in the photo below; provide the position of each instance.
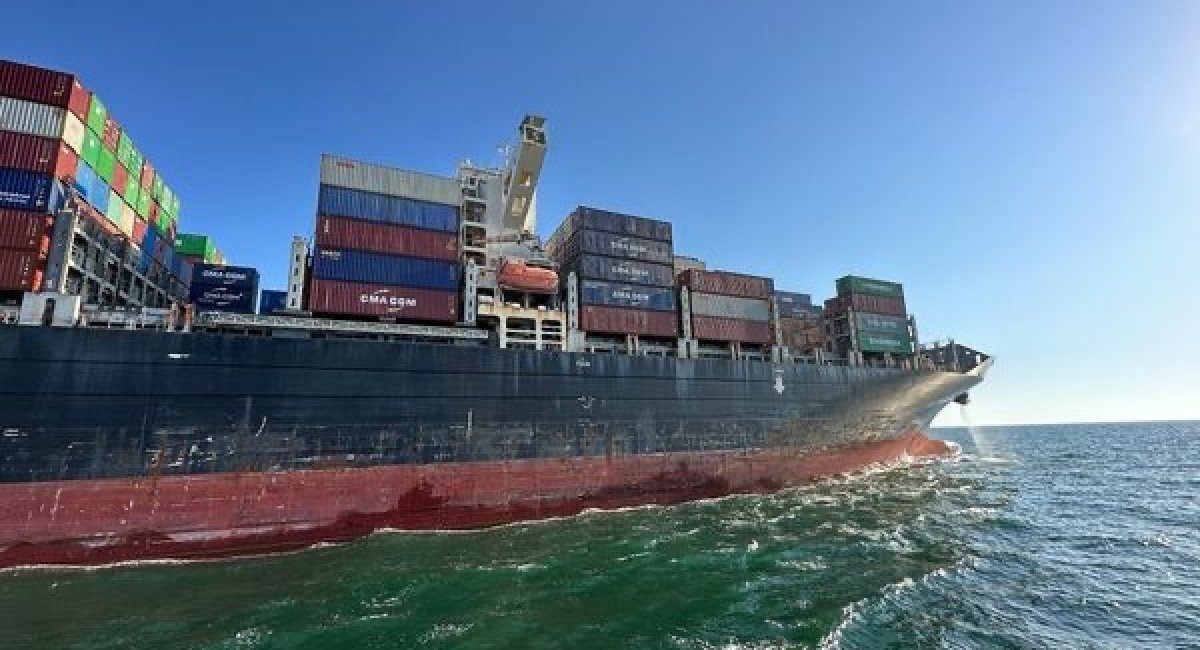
(20, 270)
(683, 263)
(147, 178)
(143, 203)
(220, 298)
(106, 165)
(97, 115)
(73, 133)
(28, 152)
(114, 212)
(713, 328)
(728, 283)
(881, 323)
(91, 149)
(394, 270)
(594, 242)
(612, 294)
(709, 304)
(614, 222)
(139, 233)
(344, 202)
(41, 85)
(800, 333)
(884, 342)
(26, 117)
(200, 246)
(376, 237)
(865, 303)
(271, 301)
(356, 175)
(611, 269)
(120, 179)
(23, 231)
(617, 320)
(852, 284)
(133, 191)
(25, 190)
(335, 297)
(125, 152)
(128, 217)
(792, 305)
(111, 137)
(211, 275)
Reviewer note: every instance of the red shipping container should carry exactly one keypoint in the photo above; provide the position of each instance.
(621, 320)
(153, 216)
(120, 177)
(139, 230)
(112, 135)
(713, 328)
(20, 270)
(402, 303)
(867, 304)
(24, 231)
(147, 176)
(41, 85)
(28, 152)
(67, 163)
(389, 239)
(79, 101)
(728, 284)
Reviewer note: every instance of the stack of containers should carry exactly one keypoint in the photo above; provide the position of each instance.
(53, 130)
(624, 267)
(799, 321)
(386, 244)
(224, 288)
(271, 301)
(729, 307)
(879, 313)
(198, 249)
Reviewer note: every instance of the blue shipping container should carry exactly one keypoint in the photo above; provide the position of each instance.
(85, 178)
(344, 202)
(793, 305)
(213, 275)
(357, 266)
(613, 294)
(25, 190)
(98, 194)
(229, 299)
(147, 258)
(271, 301)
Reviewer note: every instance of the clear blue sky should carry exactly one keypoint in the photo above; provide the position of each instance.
(1030, 171)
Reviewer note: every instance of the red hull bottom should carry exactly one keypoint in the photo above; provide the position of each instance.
(213, 515)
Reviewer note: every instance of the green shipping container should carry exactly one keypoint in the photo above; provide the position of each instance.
(885, 342)
(143, 204)
(132, 190)
(162, 226)
(91, 149)
(175, 206)
(156, 189)
(124, 149)
(880, 323)
(135, 162)
(114, 208)
(106, 163)
(869, 286)
(97, 115)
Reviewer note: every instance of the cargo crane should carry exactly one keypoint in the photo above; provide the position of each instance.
(511, 284)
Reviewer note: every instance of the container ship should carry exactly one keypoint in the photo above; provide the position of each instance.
(431, 363)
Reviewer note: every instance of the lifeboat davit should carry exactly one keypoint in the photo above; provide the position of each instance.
(519, 276)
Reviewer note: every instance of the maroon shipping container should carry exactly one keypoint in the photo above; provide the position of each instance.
(713, 328)
(728, 284)
(20, 270)
(389, 239)
(867, 304)
(35, 154)
(402, 303)
(622, 320)
(42, 86)
(119, 179)
(24, 231)
(112, 135)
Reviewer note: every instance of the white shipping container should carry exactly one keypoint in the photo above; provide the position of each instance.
(127, 217)
(343, 172)
(708, 304)
(31, 118)
(73, 132)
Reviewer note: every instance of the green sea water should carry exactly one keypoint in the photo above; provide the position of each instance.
(1034, 537)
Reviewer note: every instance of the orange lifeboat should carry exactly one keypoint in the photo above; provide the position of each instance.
(519, 276)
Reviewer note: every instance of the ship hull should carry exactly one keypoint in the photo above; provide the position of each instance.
(122, 445)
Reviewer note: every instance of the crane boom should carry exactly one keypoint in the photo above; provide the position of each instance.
(523, 173)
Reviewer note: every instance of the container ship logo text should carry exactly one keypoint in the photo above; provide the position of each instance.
(386, 299)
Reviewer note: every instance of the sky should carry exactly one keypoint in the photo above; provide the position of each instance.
(1029, 170)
